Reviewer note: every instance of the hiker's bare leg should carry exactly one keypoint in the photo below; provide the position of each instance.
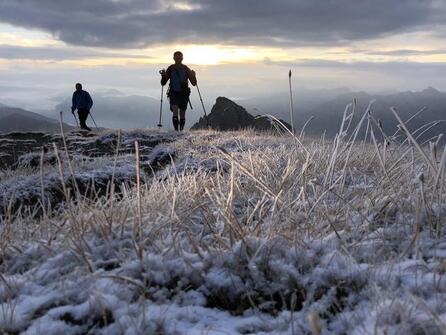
(174, 110)
(182, 118)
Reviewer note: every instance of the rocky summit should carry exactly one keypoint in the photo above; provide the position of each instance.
(227, 115)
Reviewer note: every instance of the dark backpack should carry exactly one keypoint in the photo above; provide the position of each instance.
(178, 82)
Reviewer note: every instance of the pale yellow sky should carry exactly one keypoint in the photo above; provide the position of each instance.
(217, 54)
(37, 66)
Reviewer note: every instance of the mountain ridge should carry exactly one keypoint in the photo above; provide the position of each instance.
(17, 119)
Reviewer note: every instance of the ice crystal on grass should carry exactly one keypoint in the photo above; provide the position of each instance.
(239, 233)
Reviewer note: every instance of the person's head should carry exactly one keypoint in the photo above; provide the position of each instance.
(178, 57)
(78, 87)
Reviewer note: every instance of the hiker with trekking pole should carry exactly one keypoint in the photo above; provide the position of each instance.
(178, 92)
(82, 102)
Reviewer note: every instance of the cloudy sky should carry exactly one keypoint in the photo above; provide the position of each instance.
(239, 48)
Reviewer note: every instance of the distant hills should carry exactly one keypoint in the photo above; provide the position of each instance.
(328, 115)
(117, 110)
(328, 111)
(17, 119)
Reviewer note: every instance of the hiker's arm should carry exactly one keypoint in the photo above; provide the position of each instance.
(192, 77)
(165, 76)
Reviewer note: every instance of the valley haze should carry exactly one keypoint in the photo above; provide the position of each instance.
(115, 110)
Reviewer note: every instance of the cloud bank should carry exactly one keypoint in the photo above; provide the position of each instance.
(141, 23)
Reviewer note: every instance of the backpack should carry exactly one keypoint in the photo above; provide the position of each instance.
(178, 82)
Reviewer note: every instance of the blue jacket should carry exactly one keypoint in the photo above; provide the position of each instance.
(81, 100)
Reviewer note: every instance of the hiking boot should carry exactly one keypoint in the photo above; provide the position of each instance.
(182, 123)
(175, 122)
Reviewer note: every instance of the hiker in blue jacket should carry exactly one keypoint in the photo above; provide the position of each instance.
(82, 102)
(179, 90)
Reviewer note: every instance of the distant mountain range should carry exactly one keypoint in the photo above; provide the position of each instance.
(327, 112)
(328, 115)
(17, 119)
(116, 110)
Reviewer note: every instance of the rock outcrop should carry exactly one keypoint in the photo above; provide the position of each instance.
(227, 115)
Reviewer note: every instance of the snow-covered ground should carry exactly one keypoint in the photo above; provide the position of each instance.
(229, 233)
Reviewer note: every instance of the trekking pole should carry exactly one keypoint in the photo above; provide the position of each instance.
(89, 113)
(202, 104)
(161, 107)
(291, 103)
(75, 118)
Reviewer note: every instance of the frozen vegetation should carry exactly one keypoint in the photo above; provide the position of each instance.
(225, 233)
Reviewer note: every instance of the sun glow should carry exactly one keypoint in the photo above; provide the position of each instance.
(214, 54)
(184, 6)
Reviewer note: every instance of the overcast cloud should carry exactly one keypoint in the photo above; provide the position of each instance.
(141, 23)
(384, 45)
(57, 53)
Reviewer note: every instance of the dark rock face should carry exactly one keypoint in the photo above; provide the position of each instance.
(227, 115)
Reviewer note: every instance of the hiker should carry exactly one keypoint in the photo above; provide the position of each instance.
(179, 91)
(82, 102)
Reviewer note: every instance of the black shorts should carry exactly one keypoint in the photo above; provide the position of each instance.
(178, 99)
